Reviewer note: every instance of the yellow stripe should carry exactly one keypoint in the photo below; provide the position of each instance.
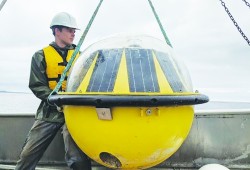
(84, 85)
(180, 76)
(163, 82)
(121, 84)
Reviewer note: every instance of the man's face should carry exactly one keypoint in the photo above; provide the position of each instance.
(66, 36)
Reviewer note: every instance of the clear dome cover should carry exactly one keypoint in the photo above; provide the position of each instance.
(145, 62)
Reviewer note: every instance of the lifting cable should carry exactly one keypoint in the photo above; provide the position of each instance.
(235, 23)
(2, 4)
(159, 22)
(64, 74)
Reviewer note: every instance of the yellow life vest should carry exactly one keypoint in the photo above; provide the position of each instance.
(56, 66)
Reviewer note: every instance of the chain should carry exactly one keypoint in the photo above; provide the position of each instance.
(247, 3)
(235, 23)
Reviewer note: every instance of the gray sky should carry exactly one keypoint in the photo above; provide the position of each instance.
(202, 35)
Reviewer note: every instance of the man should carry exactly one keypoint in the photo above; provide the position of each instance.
(46, 67)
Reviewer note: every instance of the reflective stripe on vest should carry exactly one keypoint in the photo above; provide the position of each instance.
(56, 66)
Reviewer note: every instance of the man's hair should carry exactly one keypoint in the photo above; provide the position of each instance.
(60, 27)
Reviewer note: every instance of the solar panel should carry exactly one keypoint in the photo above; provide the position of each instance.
(141, 70)
(105, 71)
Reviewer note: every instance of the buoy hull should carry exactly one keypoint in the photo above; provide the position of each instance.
(131, 137)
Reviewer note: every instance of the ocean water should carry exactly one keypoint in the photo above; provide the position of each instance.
(18, 103)
(27, 103)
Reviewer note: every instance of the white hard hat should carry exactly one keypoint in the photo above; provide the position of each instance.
(64, 19)
(213, 167)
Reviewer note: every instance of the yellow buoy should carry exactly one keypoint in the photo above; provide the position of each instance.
(129, 102)
(136, 137)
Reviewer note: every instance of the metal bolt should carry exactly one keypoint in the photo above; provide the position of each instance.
(148, 112)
